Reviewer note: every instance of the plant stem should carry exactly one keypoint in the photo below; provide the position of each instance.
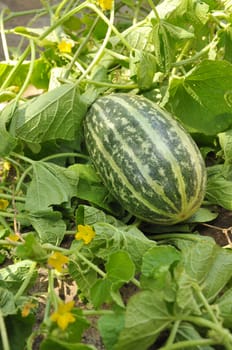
(172, 236)
(3, 36)
(3, 331)
(97, 312)
(30, 71)
(87, 38)
(14, 69)
(112, 85)
(64, 155)
(20, 181)
(188, 344)
(59, 8)
(25, 159)
(100, 52)
(9, 196)
(193, 58)
(222, 333)
(5, 224)
(205, 303)
(153, 7)
(26, 282)
(93, 266)
(172, 334)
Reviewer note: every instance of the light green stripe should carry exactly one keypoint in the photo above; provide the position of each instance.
(161, 146)
(124, 180)
(156, 187)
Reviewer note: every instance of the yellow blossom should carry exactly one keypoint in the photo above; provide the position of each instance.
(6, 165)
(86, 233)
(63, 316)
(105, 4)
(27, 308)
(57, 260)
(13, 237)
(65, 46)
(3, 204)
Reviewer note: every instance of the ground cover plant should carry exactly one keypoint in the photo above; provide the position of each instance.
(69, 252)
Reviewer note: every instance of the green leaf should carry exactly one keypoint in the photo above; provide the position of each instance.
(18, 77)
(89, 216)
(146, 68)
(49, 226)
(110, 239)
(8, 142)
(202, 215)
(186, 300)
(176, 32)
(146, 316)
(110, 327)
(162, 46)
(225, 308)
(219, 188)
(120, 267)
(186, 331)
(100, 292)
(83, 275)
(90, 187)
(56, 114)
(19, 329)
(31, 249)
(12, 276)
(225, 140)
(50, 185)
(203, 260)
(158, 263)
(7, 303)
(159, 259)
(139, 38)
(203, 100)
(175, 8)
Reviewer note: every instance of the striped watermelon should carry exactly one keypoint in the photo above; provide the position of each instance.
(146, 159)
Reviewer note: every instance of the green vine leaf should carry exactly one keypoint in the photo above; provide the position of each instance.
(56, 114)
(50, 185)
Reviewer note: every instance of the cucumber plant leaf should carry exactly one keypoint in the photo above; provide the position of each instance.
(56, 114)
(202, 100)
(50, 185)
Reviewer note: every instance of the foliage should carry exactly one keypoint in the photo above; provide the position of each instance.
(58, 220)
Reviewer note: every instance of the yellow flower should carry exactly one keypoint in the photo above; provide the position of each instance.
(86, 233)
(13, 237)
(27, 308)
(3, 204)
(57, 261)
(6, 165)
(65, 46)
(105, 4)
(63, 316)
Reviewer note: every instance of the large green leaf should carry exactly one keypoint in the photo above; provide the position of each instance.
(56, 114)
(203, 261)
(50, 185)
(12, 276)
(110, 239)
(146, 316)
(49, 226)
(110, 327)
(202, 100)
